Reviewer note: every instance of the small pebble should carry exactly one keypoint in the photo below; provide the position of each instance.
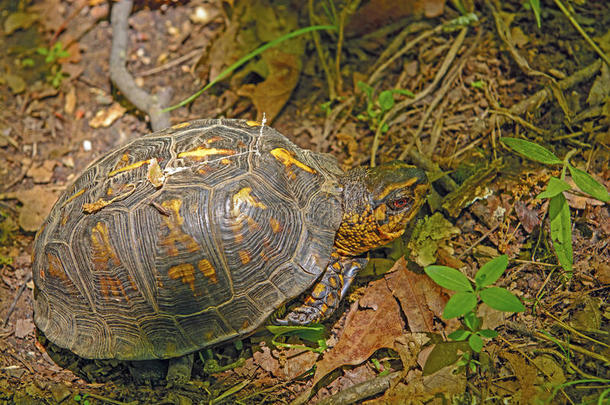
(87, 145)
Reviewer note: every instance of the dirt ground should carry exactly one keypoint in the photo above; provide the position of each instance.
(502, 76)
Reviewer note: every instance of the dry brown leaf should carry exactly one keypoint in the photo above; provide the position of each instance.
(23, 327)
(285, 364)
(420, 298)
(42, 173)
(526, 374)
(105, 118)
(37, 203)
(528, 217)
(270, 95)
(375, 325)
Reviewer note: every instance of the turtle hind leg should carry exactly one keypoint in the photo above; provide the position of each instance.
(326, 293)
(148, 372)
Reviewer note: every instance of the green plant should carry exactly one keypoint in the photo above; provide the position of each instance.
(559, 211)
(54, 53)
(376, 108)
(311, 333)
(465, 300)
(82, 399)
(226, 72)
(52, 56)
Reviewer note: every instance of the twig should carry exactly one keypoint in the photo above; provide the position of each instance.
(14, 304)
(171, 64)
(582, 32)
(358, 392)
(120, 76)
(404, 104)
(316, 39)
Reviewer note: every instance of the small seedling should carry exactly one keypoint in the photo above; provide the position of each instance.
(82, 399)
(559, 211)
(465, 300)
(54, 53)
(376, 108)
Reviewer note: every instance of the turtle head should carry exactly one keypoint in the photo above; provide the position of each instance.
(378, 203)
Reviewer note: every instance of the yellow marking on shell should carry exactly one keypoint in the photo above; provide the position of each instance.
(90, 208)
(132, 166)
(203, 152)
(287, 159)
(253, 123)
(155, 173)
(185, 272)
(244, 196)
(275, 225)
(56, 268)
(102, 250)
(181, 125)
(395, 186)
(225, 161)
(208, 270)
(110, 191)
(333, 282)
(244, 256)
(330, 300)
(318, 291)
(337, 266)
(112, 286)
(245, 324)
(74, 196)
(176, 235)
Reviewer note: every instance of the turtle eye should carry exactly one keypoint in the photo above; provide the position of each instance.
(399, 203)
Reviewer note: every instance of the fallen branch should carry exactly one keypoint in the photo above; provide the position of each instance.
(120, 76)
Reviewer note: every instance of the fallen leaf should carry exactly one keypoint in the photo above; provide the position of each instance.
(16, 83)
(270, 95)
(285, 364)
(375, 325)
(18, 21)
(528, 217)
(421, 299)
(37, 203)
(23, 327)
(42, 173)
(105, 118)
(526, 375)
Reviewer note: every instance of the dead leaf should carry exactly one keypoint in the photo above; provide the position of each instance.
(16, 83)
(270, 95)
(285, 364)
(19, 20)
(70, 103)
(105, 118)
(528, 217)
(23, 327)
(525, 373)
(375, 325)
(42, 173)
(377, 13)
(37, 203)
(421, 299)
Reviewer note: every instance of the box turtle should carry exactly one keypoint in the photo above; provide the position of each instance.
(195, 235)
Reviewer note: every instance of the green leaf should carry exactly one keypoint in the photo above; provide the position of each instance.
(488, 333)
(501, 299)
(386, 100)
(561, 230)
(532, 151)
(449, 278)
(589, 185)
(459, 304)
(476, 343)
(366, 89)
(536, 9)
(491, 271)
(472, 321)
(459, 335)
(311, 333)
(555, 187)
(403, 92)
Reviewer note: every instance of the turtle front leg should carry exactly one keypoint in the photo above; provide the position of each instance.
(327, 293)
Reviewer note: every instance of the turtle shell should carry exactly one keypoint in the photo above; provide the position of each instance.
(182, 239)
